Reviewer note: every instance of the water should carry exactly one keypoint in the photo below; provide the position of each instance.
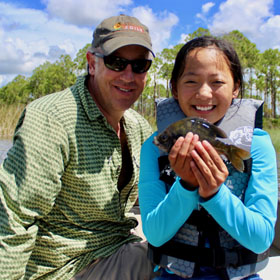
(6, 144)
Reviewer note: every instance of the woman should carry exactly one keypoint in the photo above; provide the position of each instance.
(203, 218)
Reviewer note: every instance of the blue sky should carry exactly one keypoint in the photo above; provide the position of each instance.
(34, 31)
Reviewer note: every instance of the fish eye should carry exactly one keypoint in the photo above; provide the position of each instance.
(164, 138)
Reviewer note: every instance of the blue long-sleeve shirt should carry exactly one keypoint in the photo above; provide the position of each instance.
(250, 222)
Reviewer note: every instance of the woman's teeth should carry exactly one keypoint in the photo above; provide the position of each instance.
(204, 108)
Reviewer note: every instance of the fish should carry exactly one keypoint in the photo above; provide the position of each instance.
(206, 131)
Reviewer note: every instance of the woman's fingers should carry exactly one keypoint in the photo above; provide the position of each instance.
(180, 157)
(209, 168)
(181, 150)
(215, 157)
(173, 154)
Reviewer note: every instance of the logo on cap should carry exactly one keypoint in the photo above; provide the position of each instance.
(131, 27)
(117, 26)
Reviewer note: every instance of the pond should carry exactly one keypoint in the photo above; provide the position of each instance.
(6, 144)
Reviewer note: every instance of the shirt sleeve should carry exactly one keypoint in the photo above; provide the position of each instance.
(162, 213)
(29, 184)
(251, 223)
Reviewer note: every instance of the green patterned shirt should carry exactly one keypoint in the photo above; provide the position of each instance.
(60, 207)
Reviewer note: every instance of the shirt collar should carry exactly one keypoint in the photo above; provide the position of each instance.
(90, 107)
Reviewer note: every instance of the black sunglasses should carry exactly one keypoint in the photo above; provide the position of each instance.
(118, 64)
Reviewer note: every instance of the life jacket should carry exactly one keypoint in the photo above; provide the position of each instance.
(201, 242)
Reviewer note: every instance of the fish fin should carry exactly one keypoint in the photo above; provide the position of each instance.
(211, 129)
(214, 130)
(236, 156)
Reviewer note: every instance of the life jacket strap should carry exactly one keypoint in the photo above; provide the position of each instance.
(212, 257)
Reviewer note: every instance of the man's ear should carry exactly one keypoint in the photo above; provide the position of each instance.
(91, 63)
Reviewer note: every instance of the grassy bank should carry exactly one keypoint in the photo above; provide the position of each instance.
(9, 115)
(275, 137)
(272, 126)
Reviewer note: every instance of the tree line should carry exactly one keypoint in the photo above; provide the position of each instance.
(261, 72)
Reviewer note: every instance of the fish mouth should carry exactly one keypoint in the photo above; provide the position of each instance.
(159, 145)
(155, 141)
(204, 108)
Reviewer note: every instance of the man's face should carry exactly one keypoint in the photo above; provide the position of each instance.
(114, 92)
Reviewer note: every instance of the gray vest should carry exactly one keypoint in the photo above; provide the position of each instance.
(186, 250)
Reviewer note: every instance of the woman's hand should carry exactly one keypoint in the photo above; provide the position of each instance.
(180, 158)
(208, 167)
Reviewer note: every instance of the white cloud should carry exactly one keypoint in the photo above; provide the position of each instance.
(26, 43)
(29, 37)
(205, 9)
(269, 32)
(160, 25)
(183, 38)
(253, 18)
(4, 79)
(85, 12)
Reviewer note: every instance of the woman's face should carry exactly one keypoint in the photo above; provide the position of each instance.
(206, 87)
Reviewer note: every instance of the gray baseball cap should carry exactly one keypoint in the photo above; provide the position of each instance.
(119, 31)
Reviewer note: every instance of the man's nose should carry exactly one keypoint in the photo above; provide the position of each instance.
(127, 74)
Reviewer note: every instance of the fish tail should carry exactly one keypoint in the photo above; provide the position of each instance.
(236, 156)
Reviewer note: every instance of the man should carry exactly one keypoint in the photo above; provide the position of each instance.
(71, 176)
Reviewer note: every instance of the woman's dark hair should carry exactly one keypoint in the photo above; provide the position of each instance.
(202, 42)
